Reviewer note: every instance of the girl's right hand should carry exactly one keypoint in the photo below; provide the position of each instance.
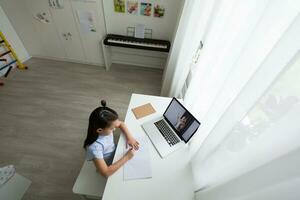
(130, 153)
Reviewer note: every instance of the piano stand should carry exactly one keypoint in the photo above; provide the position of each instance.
(106, 55)
(131, 42)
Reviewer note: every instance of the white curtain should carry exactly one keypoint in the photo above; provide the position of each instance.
(247, 46)
(260, 156)
(187, 39)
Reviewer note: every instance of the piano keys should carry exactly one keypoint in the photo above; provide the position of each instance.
(137, 43)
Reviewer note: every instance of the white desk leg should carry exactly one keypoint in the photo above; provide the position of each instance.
(106, 55)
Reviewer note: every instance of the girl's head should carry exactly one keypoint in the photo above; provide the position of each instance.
(102, 121)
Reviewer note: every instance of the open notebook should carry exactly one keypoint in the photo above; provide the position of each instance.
(139, 167)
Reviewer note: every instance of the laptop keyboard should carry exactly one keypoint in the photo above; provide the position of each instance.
(166, 132)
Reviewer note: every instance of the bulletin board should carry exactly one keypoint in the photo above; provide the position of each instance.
(162, 24)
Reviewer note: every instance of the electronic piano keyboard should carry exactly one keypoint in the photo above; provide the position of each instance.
(137, 43)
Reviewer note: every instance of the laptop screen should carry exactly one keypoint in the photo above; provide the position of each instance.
(181, 120)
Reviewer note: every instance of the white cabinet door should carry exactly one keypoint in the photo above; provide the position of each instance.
(67, 31)
(45, 29)
(91, 39)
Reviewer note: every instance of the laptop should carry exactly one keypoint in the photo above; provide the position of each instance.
(173, 130)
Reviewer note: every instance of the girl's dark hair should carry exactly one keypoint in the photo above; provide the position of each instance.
(101, 117)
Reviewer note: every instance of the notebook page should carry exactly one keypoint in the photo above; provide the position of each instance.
(139, 167)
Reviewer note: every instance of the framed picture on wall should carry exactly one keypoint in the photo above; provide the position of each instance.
(119, 6)
(159, 10)
(146, 9)
(132, 7)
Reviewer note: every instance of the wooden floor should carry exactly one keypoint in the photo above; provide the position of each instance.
(44, 113)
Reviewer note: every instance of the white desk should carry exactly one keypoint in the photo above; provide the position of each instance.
(171, 176)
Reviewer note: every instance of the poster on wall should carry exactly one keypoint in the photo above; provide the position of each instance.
(159, 10)
(119, 6)
(87, 21)
(132, 7)
(146, 9)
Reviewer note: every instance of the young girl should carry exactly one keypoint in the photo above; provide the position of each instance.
(99, 143)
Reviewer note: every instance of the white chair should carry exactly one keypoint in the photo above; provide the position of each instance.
(14, 188)
(89, 183)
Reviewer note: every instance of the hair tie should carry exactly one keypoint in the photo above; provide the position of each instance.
(103, 103)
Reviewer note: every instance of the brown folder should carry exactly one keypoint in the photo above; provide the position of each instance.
(143, 110)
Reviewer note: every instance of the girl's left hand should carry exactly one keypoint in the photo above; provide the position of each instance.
(133, 143)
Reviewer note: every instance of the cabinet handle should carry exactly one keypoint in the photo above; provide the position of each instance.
(70, 35)
(65, 35)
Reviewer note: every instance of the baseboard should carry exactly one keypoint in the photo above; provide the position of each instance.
(149, 61)
(137, 64)
(68, 60)
(26, 59)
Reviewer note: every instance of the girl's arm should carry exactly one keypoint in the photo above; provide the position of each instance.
(130, 139)
(105, 170)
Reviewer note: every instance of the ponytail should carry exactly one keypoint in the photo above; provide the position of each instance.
(101, 117)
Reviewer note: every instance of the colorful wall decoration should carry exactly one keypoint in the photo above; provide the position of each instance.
(133, 7)
(159, 10)
(146, 9)
(119, 6)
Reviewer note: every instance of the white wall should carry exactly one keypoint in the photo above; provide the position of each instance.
(12, 37)
(163, 28)
(20, 19)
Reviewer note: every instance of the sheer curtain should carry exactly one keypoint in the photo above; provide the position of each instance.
(260, 156)
(223, 54)
(247, 46)
(186, 42)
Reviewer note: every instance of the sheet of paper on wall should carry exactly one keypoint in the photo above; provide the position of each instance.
(87, 21)
(139, 167)
(139, 31)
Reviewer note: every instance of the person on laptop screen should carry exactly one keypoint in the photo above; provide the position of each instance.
(183, 122)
